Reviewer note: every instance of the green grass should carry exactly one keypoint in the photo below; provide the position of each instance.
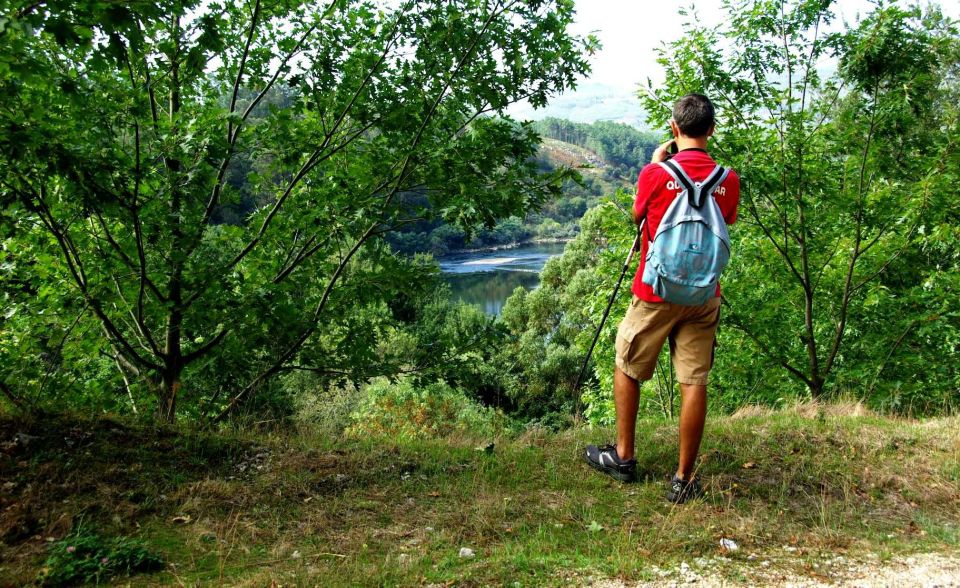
(395, 511)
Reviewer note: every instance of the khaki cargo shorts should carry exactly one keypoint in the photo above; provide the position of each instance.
(690, 329)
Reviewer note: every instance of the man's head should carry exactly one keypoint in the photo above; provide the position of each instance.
(693, 117)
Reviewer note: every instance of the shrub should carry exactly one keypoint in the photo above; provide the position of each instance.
(327, 410)
(436, 410)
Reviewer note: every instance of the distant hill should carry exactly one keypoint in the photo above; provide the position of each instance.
(600, 176)
(591, 102)
(561, 153)
(609, 155)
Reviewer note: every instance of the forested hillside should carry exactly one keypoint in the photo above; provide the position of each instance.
(605, 156)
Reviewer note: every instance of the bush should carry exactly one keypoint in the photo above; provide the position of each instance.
(436, 410)
(85, 557)
(327, 410)
(550, 229)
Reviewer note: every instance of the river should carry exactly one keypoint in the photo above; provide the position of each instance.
(487, 278)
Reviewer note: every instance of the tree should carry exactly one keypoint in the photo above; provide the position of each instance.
(840, 172)
(129, 129)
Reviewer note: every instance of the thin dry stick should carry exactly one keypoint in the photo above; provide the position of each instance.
(232, 533)
(289, 557)
(126, 384)
(172, 568)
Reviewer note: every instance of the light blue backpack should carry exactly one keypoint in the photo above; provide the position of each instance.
(691, 246)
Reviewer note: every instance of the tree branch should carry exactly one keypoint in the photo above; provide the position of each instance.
(893, 349)
(11, 396)
(234, 134)
(848, 289)
(205, 348)
(75, 267)
(302, 338)
(304, 170)
(240, 68)
(765, 348)
(783, 253)
(126, 258)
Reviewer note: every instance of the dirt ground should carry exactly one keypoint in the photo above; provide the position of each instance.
(922, 570)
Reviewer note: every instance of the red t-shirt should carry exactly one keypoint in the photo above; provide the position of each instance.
(655, 192)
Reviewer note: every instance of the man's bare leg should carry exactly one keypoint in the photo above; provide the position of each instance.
(626, 400)
(693, 413)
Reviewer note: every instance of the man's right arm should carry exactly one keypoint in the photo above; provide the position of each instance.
(662, 152)
(645, 183)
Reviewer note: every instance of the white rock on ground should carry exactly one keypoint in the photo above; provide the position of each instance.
(729, 544)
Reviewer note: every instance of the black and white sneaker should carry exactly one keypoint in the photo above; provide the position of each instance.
(681, 490)
(606, 460)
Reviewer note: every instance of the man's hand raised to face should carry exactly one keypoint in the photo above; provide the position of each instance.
(662, 152)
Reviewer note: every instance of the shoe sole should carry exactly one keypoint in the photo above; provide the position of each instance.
(682, 498)
(616, 475)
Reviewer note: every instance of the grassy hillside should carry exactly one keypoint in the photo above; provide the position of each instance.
(560, 153)
(794, 490)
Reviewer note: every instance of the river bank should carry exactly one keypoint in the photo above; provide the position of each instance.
(487, 278)
(515, 245)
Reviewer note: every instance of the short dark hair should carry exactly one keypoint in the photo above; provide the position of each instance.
(694, 115)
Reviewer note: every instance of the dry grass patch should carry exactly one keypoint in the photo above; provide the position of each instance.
(809, 409)
(752, 410)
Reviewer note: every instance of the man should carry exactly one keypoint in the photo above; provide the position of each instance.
(650, 320)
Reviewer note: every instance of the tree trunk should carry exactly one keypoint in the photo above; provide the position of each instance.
(167, 406)
(817, 387)
(173, 350)
(173, 367)
(173, 361)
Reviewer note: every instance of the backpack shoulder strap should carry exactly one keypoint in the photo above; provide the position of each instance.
(696, 194)
(680, 176)
(713, 181)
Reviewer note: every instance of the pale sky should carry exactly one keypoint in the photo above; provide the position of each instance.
(630, 31)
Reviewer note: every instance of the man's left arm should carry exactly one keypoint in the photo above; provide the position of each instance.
(645, 185)
(729, 199)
